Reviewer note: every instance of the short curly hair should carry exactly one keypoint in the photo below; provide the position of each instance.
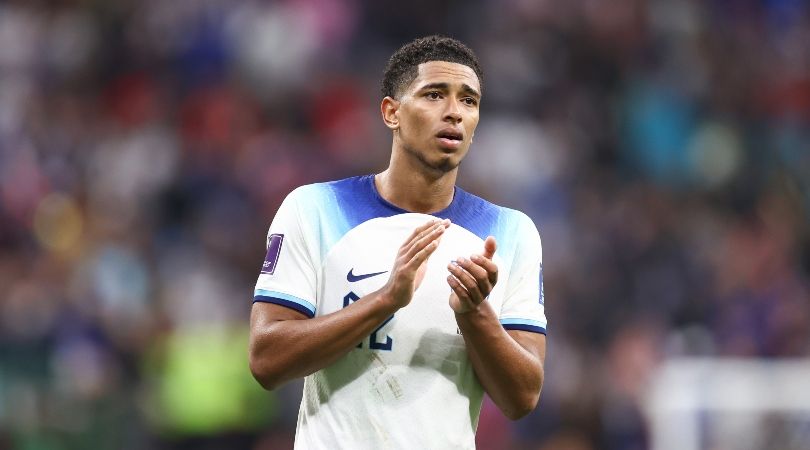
(403, 66)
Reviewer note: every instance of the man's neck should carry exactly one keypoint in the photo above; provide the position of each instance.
(414, 190)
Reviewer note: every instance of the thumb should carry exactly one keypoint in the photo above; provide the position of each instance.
(489, 247)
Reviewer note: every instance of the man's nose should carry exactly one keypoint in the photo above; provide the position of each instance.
(453, 112)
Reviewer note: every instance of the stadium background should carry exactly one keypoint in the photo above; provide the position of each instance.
(662, 147)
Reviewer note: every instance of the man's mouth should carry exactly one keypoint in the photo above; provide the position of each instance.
(450, 139)
(451, 135)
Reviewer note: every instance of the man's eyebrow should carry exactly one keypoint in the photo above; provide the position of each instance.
(470, 90)
(445, 86)
(440, 86)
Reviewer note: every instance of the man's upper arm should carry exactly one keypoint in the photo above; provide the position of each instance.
(263, 314)
(523, 309)
(534, 343)
(287, 278)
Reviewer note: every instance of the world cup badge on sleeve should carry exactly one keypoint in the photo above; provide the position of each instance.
(273, 250)
(542, 295)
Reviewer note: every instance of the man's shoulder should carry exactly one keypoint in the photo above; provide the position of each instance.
(354, 182)
(481, 205)
(485, 218)
(327, 190)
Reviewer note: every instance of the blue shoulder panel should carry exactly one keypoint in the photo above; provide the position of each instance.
(473, 213)
(483, 219)
(331, 209)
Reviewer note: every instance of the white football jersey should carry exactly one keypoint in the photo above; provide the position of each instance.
(410, 383)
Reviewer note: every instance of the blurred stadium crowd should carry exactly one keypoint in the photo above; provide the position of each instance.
(662, 147)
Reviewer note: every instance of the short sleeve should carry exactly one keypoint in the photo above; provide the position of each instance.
(523, 307)
(287, 275)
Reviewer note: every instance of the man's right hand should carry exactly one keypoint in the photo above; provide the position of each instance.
(409, 266)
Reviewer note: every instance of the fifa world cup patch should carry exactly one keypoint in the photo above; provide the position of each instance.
(273, 250)
(542, 296)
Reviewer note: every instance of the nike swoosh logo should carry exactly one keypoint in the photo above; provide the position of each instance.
(352, 277)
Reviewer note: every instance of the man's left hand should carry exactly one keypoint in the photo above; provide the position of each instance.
(472, 279)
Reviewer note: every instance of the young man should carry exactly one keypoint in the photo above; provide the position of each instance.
(387, 292)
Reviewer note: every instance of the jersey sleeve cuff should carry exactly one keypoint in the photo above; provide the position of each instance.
(290, 301)
(534, 326)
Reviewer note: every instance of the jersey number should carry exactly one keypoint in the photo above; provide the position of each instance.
(374, 342)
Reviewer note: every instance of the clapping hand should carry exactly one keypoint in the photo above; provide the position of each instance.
(472, 279)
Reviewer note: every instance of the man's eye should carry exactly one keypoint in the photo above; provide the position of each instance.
(470, 101)
(433, 95)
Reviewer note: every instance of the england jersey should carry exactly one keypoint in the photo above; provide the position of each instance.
(410, 383)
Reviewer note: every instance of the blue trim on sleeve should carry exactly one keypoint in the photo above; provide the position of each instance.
(282, 302)
(290, 301)
(524, 325)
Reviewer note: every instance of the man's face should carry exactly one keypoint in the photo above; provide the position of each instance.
(438, 113)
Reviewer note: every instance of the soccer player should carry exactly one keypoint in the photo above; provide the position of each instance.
(400, 297)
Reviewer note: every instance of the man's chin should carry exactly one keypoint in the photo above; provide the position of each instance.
(443, 163)
(448, 160)
(447, 165)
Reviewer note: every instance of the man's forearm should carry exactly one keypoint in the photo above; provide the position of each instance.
(282, 350)
(510, 374)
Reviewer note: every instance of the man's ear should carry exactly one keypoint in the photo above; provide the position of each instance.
(389, 108)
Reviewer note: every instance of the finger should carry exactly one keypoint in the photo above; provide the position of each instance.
(474, 268)
(417, 244)
(462, 293)
(481, 275)
(420, 231)
(422, 255)
(468, 281)
(409, 246)
(489, 266)
(489, 247)
(422, 242)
